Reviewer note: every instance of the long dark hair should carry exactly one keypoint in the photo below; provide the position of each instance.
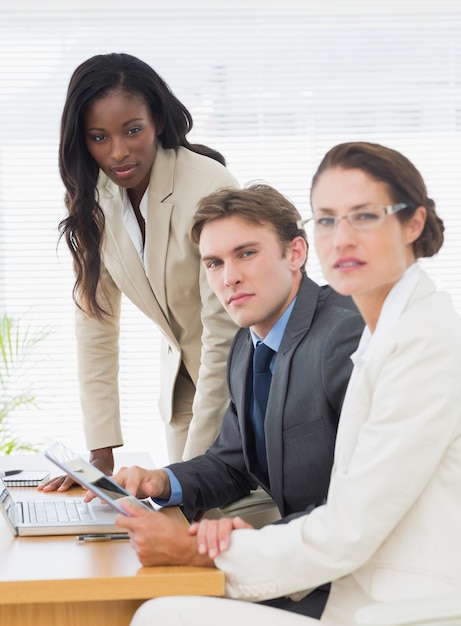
(83, 228)
(403, 180)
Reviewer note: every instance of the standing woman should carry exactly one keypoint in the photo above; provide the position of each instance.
(132, 181)
(390, 528)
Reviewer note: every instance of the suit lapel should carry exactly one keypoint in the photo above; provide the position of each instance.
(356, 406)
(241, 383)
(122, 260)
(158, 223)
(119, 251)
(297, 327)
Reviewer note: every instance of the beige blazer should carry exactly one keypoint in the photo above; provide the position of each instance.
(172, 291)
(391, 527)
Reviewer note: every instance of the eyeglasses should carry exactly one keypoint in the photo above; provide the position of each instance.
(366, 218)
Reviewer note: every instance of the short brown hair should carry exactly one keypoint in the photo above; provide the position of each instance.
(403, 180)
(258, 204)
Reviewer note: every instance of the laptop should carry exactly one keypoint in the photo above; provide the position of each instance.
(55, 516)
(49, 515)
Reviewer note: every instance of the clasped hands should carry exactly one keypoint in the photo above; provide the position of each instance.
(160, 540)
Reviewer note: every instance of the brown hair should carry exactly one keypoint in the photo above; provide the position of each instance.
(403, 180)
(257, 204)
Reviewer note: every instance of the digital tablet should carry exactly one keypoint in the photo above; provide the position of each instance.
(90, 477)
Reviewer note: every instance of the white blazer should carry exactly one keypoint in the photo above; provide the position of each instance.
(391, 528)
(171, 290)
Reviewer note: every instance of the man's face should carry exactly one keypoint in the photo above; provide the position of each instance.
(253, 277)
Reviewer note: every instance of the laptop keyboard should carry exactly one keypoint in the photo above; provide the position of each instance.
(56, 511)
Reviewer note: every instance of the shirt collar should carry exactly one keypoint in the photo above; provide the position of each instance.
(274, 337)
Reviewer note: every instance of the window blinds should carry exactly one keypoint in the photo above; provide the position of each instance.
(271, 85)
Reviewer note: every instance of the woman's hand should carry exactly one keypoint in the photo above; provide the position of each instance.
(57, 483)
(213, 536)
(103, 459)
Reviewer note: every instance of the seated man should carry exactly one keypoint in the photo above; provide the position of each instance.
(254, 255)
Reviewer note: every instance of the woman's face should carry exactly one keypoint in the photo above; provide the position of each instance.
(362, 263)
(122, 138)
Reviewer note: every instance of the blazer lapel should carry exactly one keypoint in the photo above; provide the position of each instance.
(298, 325)
(357, 399)
(122, 260)
(120, 255)
(161, 187)
(241, 385)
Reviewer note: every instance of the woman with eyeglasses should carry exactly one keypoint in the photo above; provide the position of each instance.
(390, 529)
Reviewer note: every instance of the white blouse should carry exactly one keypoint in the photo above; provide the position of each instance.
(393, 306)
(131, 223)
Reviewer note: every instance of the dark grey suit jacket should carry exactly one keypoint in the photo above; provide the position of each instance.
(311, 372)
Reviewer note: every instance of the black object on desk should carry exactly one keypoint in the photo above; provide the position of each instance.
(24, 478)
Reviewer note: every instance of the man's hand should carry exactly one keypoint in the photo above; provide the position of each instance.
(213, 536)
(142, 483)
(158, 539)
(103, 459)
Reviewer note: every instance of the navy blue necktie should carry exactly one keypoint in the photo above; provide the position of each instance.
(262, 377)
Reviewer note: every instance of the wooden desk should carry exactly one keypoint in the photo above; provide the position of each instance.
(55, 581)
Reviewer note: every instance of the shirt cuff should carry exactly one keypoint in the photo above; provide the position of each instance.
(175, 498)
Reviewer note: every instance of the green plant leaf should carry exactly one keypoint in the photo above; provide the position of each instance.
(17, 343)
